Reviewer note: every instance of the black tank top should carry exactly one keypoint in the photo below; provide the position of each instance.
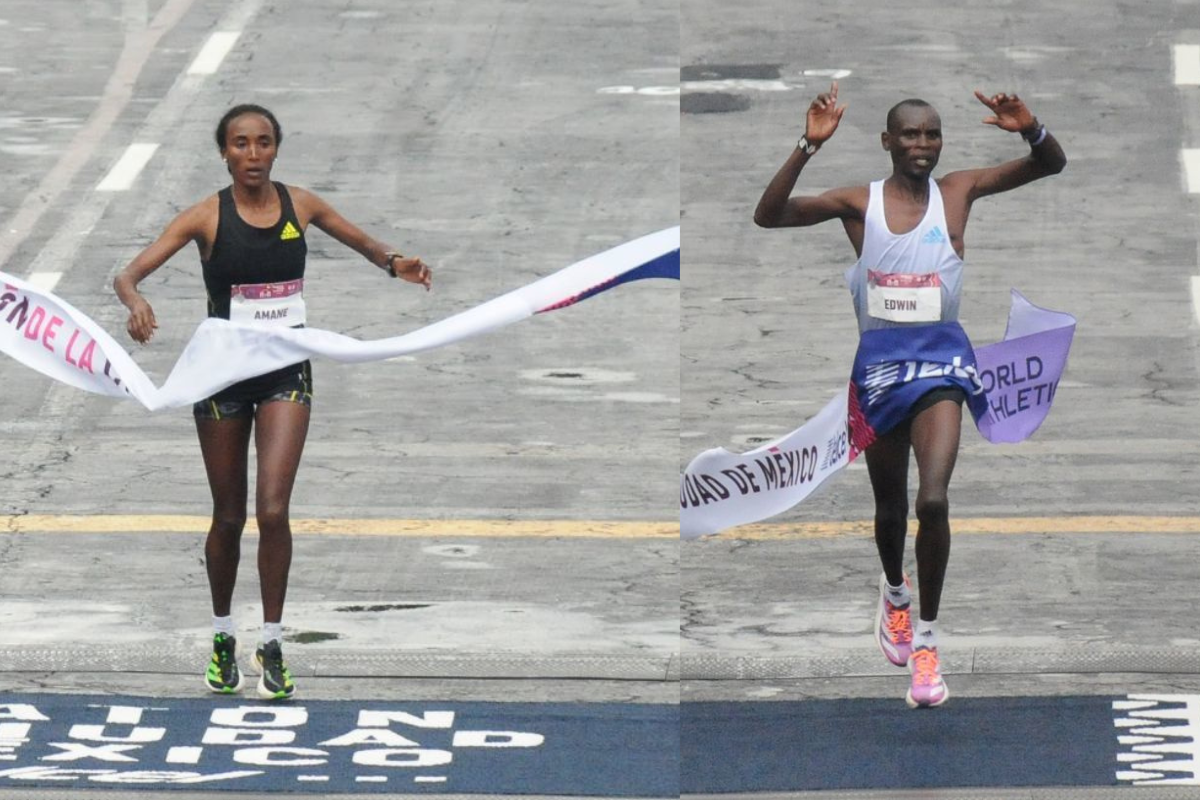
(243, 254)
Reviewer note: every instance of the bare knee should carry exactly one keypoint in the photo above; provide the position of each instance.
(891, 516)
(273, 519)
(228, 524)
(933, 510)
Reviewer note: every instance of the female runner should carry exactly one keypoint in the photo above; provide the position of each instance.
(251, 238)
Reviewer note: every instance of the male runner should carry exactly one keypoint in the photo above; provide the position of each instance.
(907, 231)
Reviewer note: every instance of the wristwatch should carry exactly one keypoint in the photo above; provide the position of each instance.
(389, 266)
(808, 149)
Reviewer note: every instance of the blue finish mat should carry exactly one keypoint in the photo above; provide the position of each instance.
(237, 743)
(971, 742)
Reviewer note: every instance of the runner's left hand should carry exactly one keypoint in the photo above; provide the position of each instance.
(1009, 112)
(413, 270)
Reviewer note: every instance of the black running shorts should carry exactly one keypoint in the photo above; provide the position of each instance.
(291, 384)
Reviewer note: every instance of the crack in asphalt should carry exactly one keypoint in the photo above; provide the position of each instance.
(1153, 376)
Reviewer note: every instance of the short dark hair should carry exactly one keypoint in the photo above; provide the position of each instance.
(894, 111)
(246, 108)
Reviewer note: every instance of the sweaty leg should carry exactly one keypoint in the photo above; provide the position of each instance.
(225, 444)
(935, 435)
(280, 430)
(887, 464)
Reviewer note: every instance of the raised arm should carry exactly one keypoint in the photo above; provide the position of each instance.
(323, 215)
(191, 225)
(1045, 157)
(776, 209)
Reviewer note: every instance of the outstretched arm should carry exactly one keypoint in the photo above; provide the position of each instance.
(188, 226)
(323, 215)
(1045, 157)
(775, 208)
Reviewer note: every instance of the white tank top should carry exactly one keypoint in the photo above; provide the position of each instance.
(911, 279)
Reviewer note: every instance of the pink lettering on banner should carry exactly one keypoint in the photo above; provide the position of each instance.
(34, 326)
(85, 358)
(51, 331)
(70, 347)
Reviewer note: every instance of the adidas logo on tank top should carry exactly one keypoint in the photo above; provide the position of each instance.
(934, 236)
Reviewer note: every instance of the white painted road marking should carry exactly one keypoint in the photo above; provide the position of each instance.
(1191, 169)
(647, 90)
(213, 53)
(737, 84)
(126, 170)
(46, 281)
(727, 84)
(1187, 65)
(118, 91)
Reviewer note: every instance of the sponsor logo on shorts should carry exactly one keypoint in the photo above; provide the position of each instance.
(881, 378)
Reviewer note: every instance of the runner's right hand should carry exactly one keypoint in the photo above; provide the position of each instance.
(413, 270)
(823, 116)
(141, 322)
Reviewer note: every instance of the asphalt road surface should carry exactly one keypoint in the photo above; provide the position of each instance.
(1039, 601)
(488, 522)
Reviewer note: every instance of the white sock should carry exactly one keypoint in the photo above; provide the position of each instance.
(272, 632)
(925, 634)
(223, 625)
(897, 595)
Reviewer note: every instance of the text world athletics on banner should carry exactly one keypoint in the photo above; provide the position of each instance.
(50, 335)
(1018, 375)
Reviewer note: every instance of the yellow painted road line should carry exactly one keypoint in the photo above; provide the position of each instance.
(977, 525)
(583, 529)
(414, 528)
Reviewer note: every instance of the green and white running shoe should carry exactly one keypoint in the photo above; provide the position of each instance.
(223, 675)
(276, 682)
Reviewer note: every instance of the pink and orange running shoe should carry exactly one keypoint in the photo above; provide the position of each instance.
(928, 690)
(893, 626)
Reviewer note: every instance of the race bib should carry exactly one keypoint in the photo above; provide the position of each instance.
(273, 305)
(904, 297)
